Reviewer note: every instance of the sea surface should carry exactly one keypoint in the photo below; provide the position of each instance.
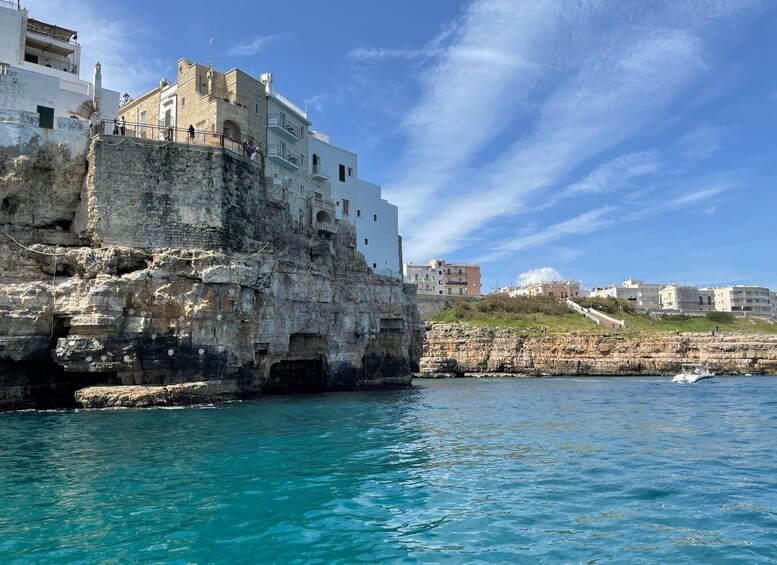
(572, 470)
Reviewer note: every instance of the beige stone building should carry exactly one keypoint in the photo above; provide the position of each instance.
(223, 108)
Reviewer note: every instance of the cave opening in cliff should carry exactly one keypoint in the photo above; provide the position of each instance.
(298, 375)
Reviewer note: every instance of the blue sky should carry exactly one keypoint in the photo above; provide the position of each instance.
(604, 140)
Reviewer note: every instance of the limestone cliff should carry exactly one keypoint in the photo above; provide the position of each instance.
(452, 349)
(184, 265)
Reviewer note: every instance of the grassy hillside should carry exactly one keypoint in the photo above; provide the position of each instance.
(531, 313)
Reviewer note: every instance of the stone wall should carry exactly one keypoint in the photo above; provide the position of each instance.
(458, 349)
(146, 193)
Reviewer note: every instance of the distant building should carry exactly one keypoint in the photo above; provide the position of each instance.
(440, 278)
(462, 279)
(686, 298)
(642, 294)
(773, 300)
(358, 202)
(745, 298)
(552, 289)
(39, 78)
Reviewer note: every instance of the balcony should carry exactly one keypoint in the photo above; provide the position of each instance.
(456, 283)
(318, 173)
(279, 155)
(328, 227)
(279, 125)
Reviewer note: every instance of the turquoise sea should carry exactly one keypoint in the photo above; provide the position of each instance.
(595, 470)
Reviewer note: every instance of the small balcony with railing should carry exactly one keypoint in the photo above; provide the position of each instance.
(280, 155)
(323, 214)
(318, 172)
(279, 124)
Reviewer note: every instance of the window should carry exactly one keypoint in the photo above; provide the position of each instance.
(319, 195)
(143, 121)
(374, 217)
(358, 213)
(342, 173)
(440, 292)
(30, 58)
(366, 241)
(350, 172)
(374, 265)
(183, 102)
(256, 108)
(45, 117)
(168, 118)
(346, 207)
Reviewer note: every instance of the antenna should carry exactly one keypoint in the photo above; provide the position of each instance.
(211, 41)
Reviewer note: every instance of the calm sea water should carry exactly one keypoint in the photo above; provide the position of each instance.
(598, 470)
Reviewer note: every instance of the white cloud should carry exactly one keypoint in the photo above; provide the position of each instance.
(543, 274)
(256, 46)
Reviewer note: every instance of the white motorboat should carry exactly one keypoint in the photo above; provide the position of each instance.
(691, 373)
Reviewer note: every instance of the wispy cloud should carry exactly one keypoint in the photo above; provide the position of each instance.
(317, 101)
(380, 54)
(257, 45)
(699, 197)
(532, 93)
(588, 222)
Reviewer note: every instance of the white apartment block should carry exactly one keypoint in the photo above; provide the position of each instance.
(642, 294)
(429, 278)
(358, 202)
(686, 298)
(745, 298)
(287, 162)
(40, 86)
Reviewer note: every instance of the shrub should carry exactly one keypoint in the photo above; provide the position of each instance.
(721, 317)
(607, 305)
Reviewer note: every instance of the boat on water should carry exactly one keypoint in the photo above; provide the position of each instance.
(692, 373)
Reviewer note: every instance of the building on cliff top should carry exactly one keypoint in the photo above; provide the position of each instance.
(233, 109)
(641, 294)
(552, 289)
(437, 277)
(358, 202)
(40, 86)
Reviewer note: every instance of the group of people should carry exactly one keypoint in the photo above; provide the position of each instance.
(119, 128)
(250, 151)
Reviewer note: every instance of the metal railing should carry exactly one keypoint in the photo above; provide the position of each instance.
(12, 5)
(161, 132)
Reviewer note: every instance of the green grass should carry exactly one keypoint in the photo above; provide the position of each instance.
(531, 313)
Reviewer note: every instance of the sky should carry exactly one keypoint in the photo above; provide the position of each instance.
(591, 140)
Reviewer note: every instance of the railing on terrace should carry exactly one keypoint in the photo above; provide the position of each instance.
(290, 104)
(12, 5)
(177, 135)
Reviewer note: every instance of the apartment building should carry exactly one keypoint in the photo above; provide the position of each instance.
(358, 202)
(686, 298)
(429, 277)
(462, 279)
(40, 86)
(744, 298)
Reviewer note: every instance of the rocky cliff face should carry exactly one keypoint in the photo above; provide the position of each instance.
(457, 349)
(234, 292)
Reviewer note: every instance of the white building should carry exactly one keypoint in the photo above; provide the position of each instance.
(642, 294)
(358, 202)
(429, 278)
(745, 298)
(686, 298)
(287, 161)
(39, 81)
